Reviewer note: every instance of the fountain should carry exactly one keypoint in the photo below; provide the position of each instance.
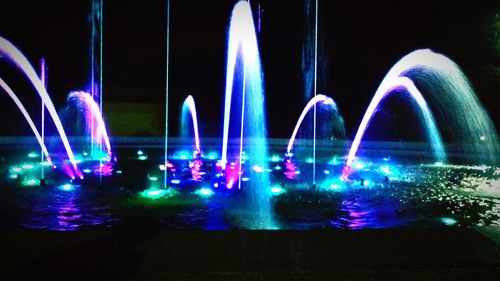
(10, 53)
(244, 68)
(245, 188)
(189, 110)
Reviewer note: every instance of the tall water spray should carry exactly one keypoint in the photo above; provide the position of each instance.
(96, 60)
(189, 111)
(10, 53)
(244, 70)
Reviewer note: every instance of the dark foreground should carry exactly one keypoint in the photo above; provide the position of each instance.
(156, 254)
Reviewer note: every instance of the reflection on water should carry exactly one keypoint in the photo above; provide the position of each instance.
(64, 210)
(425, 196)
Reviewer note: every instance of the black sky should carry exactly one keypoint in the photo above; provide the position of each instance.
(359, 43)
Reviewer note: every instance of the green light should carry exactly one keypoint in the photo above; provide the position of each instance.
(140, 152)
(142, 157)
(13, 176)
(277, 190)
(33, 155)
(30, 182)
(448, 221)
(205, 192)
(155, 193)
(45, 163)
(275, 158)
(153, 178)
(335, 186)
(212, 155)
(309, 160)
(119, 172)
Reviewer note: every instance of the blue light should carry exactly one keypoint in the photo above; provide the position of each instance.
(175, 181)
(386, 170)
(87, 171)
(326, 172)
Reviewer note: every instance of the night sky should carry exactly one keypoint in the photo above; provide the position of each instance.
(359, 43)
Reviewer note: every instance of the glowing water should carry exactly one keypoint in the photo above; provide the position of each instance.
(189, 107)
(457, 108)
(12, 54)
(242, 47)
(317, 99)
(87, 112)
(388, 85)
(26, 115)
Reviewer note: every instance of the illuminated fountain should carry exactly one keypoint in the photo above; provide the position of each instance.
(10, 53)
(189, 113)
(245, 88)
(82, 114)
(449, 90)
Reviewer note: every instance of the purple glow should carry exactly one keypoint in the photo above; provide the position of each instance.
(13, 96)
(11, 53)
(94, 120)
(318, 98)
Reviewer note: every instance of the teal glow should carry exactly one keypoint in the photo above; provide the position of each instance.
(245, 179)
(205, 192)
(161, 167)
(309, 160)
(140, 152)
(386, 170)
(212, 155)
(448, 221)
(367, 183)
(13, 176)
(275, 158)
(66, 187)
(45, 163)
(175, 181)
(142, 157)
(335, 186)
(16, 170)
(277, 190)
(30, 182)
(119, 172)
(153, 178)
(27, 166)
(33, 155)
(326, 172)
(87, 171)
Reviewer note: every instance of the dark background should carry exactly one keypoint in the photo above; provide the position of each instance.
(359, 43)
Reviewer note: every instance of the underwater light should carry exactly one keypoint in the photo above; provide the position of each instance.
(142, 157)
(119, 172)
(45, 163)
(140, 152)
(258, 169)
(359, 165)
(85, 153)
(66, 187)
(27, 166)
(482, 138)
(30, 182)
(245, 179)
(448, 221)
(277, 168)
(309, 160)
(335, 186)
(367, 183)
(205, 192)
(33, 155)
(16, 170)
(153, 178)
(212, 155)
(277, 190)
(216, 185)
(326, 172)
(175, 181)
(155, 193)
(386, 170)
(275, 158)
(161, 167)
(13, 176)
